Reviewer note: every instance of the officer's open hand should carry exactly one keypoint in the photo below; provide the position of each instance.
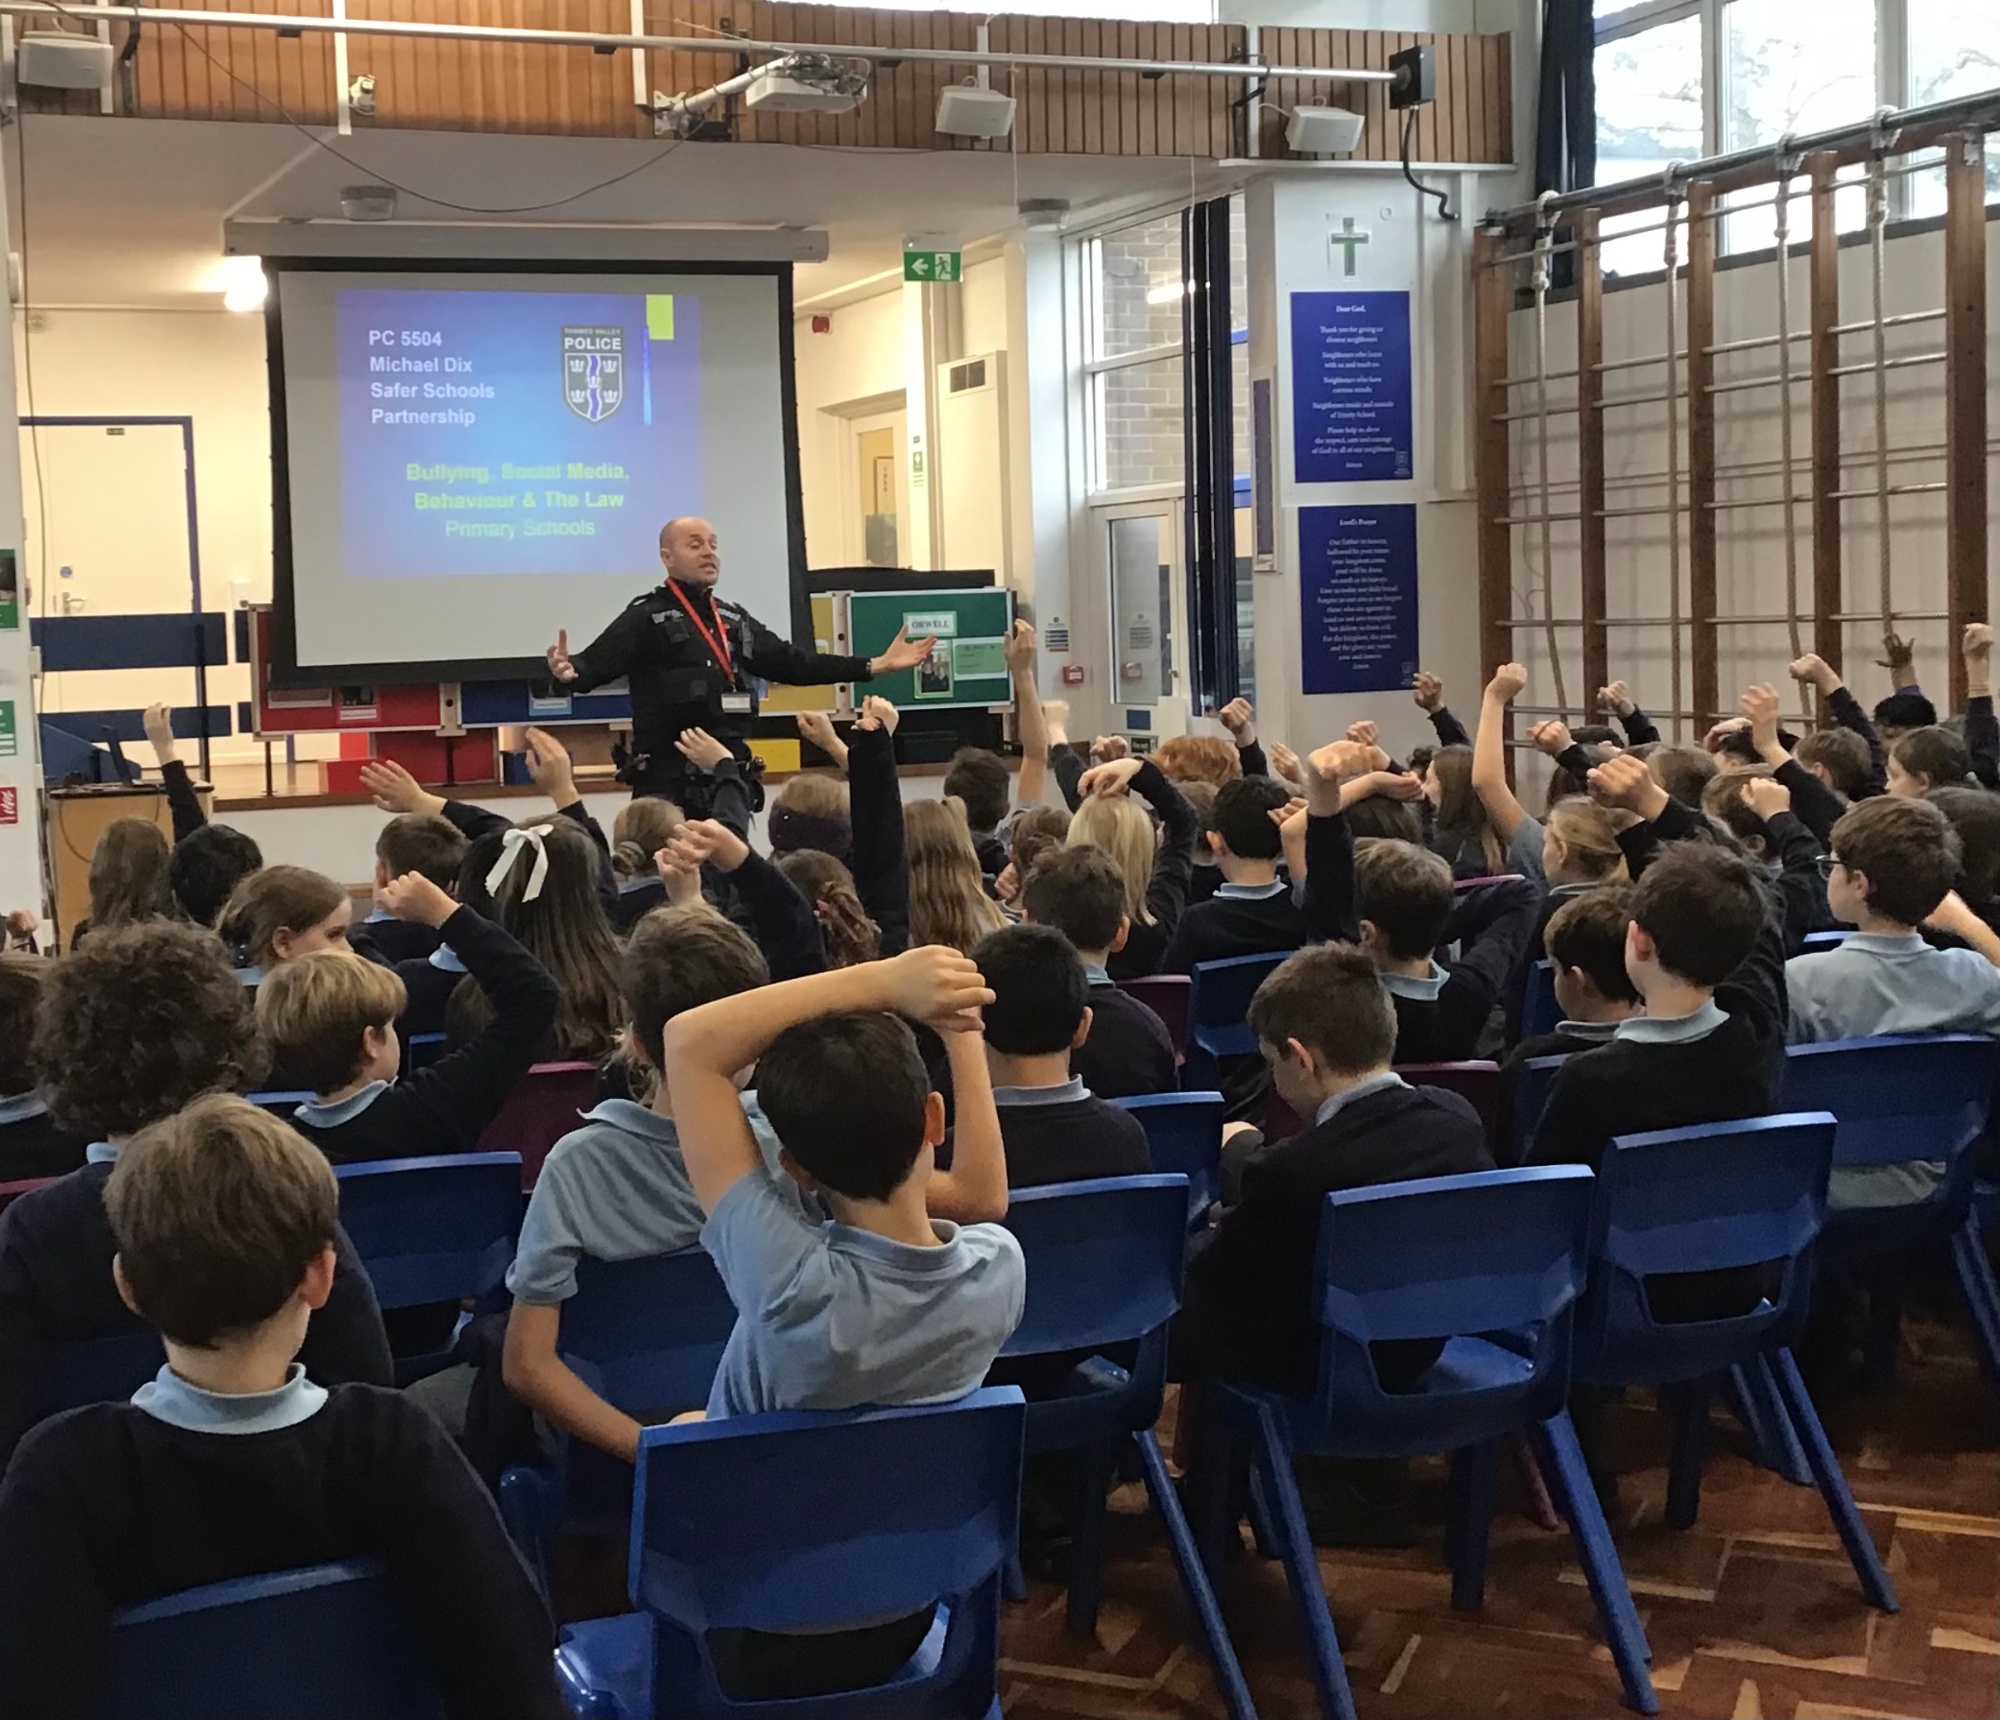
(701, 748)
(903, 653)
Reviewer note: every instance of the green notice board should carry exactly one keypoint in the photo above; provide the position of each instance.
(969, 665)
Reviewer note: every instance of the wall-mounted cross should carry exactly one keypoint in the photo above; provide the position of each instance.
(1347, 239)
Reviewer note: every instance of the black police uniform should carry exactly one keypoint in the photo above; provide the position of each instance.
(678, 681)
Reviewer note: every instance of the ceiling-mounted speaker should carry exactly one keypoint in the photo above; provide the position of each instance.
(966, 111)
(1323, 131)
(57, 60)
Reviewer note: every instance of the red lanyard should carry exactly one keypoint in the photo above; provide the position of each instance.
(718, 641)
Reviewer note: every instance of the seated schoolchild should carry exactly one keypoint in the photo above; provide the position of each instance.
(1585, 942)
(131, 1029)
(32, 1143)
(1890, 873)
(1325, 1026)
(1252, 911)
(1053, 1127)
(906, 1295)
(1129, 1051)
(279, 914)
(980, 779)
(329, 1020)
(1930, 758)
(232, 1462)
(644, 826)
(410, 842)
(617, 1188)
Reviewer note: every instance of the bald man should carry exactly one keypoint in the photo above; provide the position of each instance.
(690, 659)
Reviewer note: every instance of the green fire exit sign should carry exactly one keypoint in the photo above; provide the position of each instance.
(932, 266)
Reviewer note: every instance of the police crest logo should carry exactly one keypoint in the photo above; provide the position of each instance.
(593, 369)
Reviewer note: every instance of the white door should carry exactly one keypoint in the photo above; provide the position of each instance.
(1140, 550)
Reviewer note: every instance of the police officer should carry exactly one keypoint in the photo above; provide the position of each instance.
(689, 659)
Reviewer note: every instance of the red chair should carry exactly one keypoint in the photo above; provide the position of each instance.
(1167, 996)
(12, 1191)
(546, 1106)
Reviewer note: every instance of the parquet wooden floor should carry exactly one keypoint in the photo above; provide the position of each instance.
(1753, 1614)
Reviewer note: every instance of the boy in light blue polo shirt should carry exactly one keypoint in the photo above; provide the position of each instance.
(906, 1295)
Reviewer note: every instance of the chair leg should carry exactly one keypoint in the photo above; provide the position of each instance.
(1302, 1575)
(1773, 1440)
(1258, 1509)
(1601, 1569)
(1470, 1521)
(1211, 1492)
(1086, 1575)
(1541, 1510)
(1690, 1454)
(1200, 1593)
(1982, 1295)
(1014, 1580)
(1854, 1536)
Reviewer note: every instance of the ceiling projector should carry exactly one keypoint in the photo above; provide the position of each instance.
(806, 83)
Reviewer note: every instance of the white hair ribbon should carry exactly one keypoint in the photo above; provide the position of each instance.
(511, 844)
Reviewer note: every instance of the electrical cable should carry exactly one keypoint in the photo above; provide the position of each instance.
(1445, 210)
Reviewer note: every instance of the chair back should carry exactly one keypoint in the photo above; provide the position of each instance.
(1219, 1002)
(12, 1191)
(647, 1335)
(1476, 1082)
(281, 1104)
(909, 1507)
(1896, 1098)
(1532, 1081)
(1826, 940)
(1539, 1010)
(421, 1050)
(432, 1229)
(543, 1108)
(1449, 1258)
(1104, 1260)
(1166, 995)
(101, 1370)
(1719, 1198)
(1184, 1138)
(290, 1645)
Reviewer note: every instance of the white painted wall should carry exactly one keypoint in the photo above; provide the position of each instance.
(841, 375)
(20, 842)
(1751, 562)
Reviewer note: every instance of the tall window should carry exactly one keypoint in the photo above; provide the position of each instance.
(1134, 356)
(1681, 79)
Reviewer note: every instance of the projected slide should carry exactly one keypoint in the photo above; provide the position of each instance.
(475, 460)
(479, 431)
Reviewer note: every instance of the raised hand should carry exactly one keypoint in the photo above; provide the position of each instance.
(1428, 691)
(1977, 644)
(679, 868)
(414, 898)
(1550, 736)
(1019, 649)
(549, 767)
(1107, 747)
(1759, 705)
(1767, 797)
(1814, 670)
(878, 713)
(1285, 763)
(1293, 808)
(1112, 777)
(1240, 720)
(1398, 784)
(902, 652)
(558, 655)
(1616, 700)
(1364, 733)
(817, 727)
(1712, 741)
(708, 842)
(1898, 654)
(1625, 783)
(701, 748)
(1509, 680)
(1055, 713)
(394, 789)
(159, 725)
(935, 983)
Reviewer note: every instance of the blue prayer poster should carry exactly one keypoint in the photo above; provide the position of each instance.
(1351, 387)
(1357, 598)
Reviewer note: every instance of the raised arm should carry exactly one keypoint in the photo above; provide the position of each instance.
(1064, 765)
(1982, 732)
(974, 1190)
(1329, 900)
(706, 1047)
(1616, 700)
(1428, 691)
(775, 658)
(1240, 719)
(1489, 751)
(875, 797)
(781, 919)
(1031, 725)
(615, 652)
(1954, 916)
(1815, 806)
(1845, 709)
(182, 801)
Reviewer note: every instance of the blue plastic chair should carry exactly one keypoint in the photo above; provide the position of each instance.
(1531, 1097)
(421, 1050)
(101, 1370)
(1720, 1197)
(290, 1645)
(905, 1508)
(1539, 1010)
(1825, 940)
(647, 1336)
(1184, 1137)
(1899, 1098)
(1219, 1003)
(1105, 1261)
(1491, 1263)
(429, 1230)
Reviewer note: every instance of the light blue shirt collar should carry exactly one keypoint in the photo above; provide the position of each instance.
(1594, 1031)
(1252, 892)
(341, 1110)
(634, 1119)
(1674, 1029)
(249, 976)
(445, 957)
(378, 917)
(101, 1153)
(1885, 943)
(627, 885)
(1380, 1083)
(169, 1398)
(22, 1108)
(1097, 974)
(1424, 989)
(1067, 1094)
